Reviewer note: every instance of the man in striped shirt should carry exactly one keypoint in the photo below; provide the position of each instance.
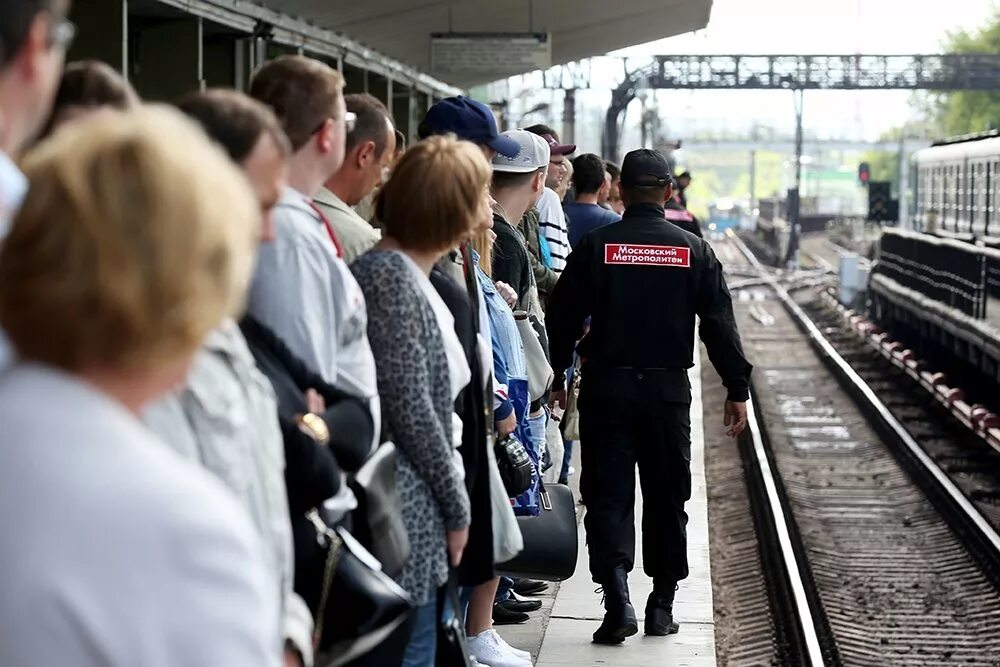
(551, 220)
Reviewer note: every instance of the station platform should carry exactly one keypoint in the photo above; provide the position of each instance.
(575, 611)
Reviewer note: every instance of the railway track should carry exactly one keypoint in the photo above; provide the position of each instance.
(871, 548)
(961, 454)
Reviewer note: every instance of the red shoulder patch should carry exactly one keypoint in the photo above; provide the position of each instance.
(647, 255)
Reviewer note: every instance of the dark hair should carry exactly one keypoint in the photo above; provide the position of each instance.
(542, 129)
(612, 169)
(301, 91)
(234, 120)
(400, 142)
(644, 194)
(92, 83)
(16, 17)
(588, 174)
(370, 124)
(503, 180)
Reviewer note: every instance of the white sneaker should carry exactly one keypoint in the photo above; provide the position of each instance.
(524, 655)
(487, 649)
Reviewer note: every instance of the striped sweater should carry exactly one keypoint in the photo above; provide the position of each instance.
(552, 223)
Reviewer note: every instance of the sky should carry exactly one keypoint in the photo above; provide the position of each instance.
(787, 26)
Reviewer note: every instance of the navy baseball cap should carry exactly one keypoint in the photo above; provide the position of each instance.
(470, 120)
(645, 167)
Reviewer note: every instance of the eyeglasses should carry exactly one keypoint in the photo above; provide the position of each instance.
(61, 33)
(350, 121)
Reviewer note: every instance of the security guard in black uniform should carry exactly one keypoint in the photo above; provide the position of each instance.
(642, 281)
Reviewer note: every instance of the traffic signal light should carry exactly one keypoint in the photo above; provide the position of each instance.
(881, 208)
(864, 173)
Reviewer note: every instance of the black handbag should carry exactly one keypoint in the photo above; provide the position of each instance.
(550, 539)
(378, 521)
(452, 648)
(514, 464)
(359, 605)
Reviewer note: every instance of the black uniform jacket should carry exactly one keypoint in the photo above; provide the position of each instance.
(642, 281)
(681, 217)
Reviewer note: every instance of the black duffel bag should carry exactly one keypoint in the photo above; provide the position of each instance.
(550, 539)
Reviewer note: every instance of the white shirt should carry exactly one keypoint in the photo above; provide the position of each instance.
(115, 551)
(458, 366)
(552, 222)
(483, 338)
(306, 294)
(13, 188)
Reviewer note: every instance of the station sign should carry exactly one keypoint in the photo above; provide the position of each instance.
(485, 53)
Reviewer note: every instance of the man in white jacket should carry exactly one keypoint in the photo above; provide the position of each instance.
(34, 35)
(225, 417)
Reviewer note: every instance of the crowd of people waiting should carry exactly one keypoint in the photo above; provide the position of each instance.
(245, 331)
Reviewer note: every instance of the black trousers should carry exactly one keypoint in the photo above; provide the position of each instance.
(629, 418)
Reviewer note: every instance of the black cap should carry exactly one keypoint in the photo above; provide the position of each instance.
(645, 167)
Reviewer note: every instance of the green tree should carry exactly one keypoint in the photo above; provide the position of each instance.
(966, 111)
(704, 188)
(884, 165)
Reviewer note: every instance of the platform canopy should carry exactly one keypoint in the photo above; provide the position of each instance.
(518, 35)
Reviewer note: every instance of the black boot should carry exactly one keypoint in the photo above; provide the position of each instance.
(660, 610)
(619, 617)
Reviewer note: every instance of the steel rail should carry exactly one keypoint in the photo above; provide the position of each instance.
(973, 521)
(792, 573)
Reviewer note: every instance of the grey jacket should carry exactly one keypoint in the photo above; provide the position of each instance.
(226, 418)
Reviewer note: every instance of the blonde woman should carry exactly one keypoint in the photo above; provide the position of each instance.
(136, 239)
(511, 402)
(430, 203)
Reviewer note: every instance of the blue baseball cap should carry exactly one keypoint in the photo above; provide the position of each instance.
(470, 120)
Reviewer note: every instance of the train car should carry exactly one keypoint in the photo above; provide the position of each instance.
(724, 213)
(958, 188)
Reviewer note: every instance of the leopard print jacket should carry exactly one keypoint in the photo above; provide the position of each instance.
(414, 388)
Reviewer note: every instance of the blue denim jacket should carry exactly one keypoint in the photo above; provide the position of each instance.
(511, 370)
